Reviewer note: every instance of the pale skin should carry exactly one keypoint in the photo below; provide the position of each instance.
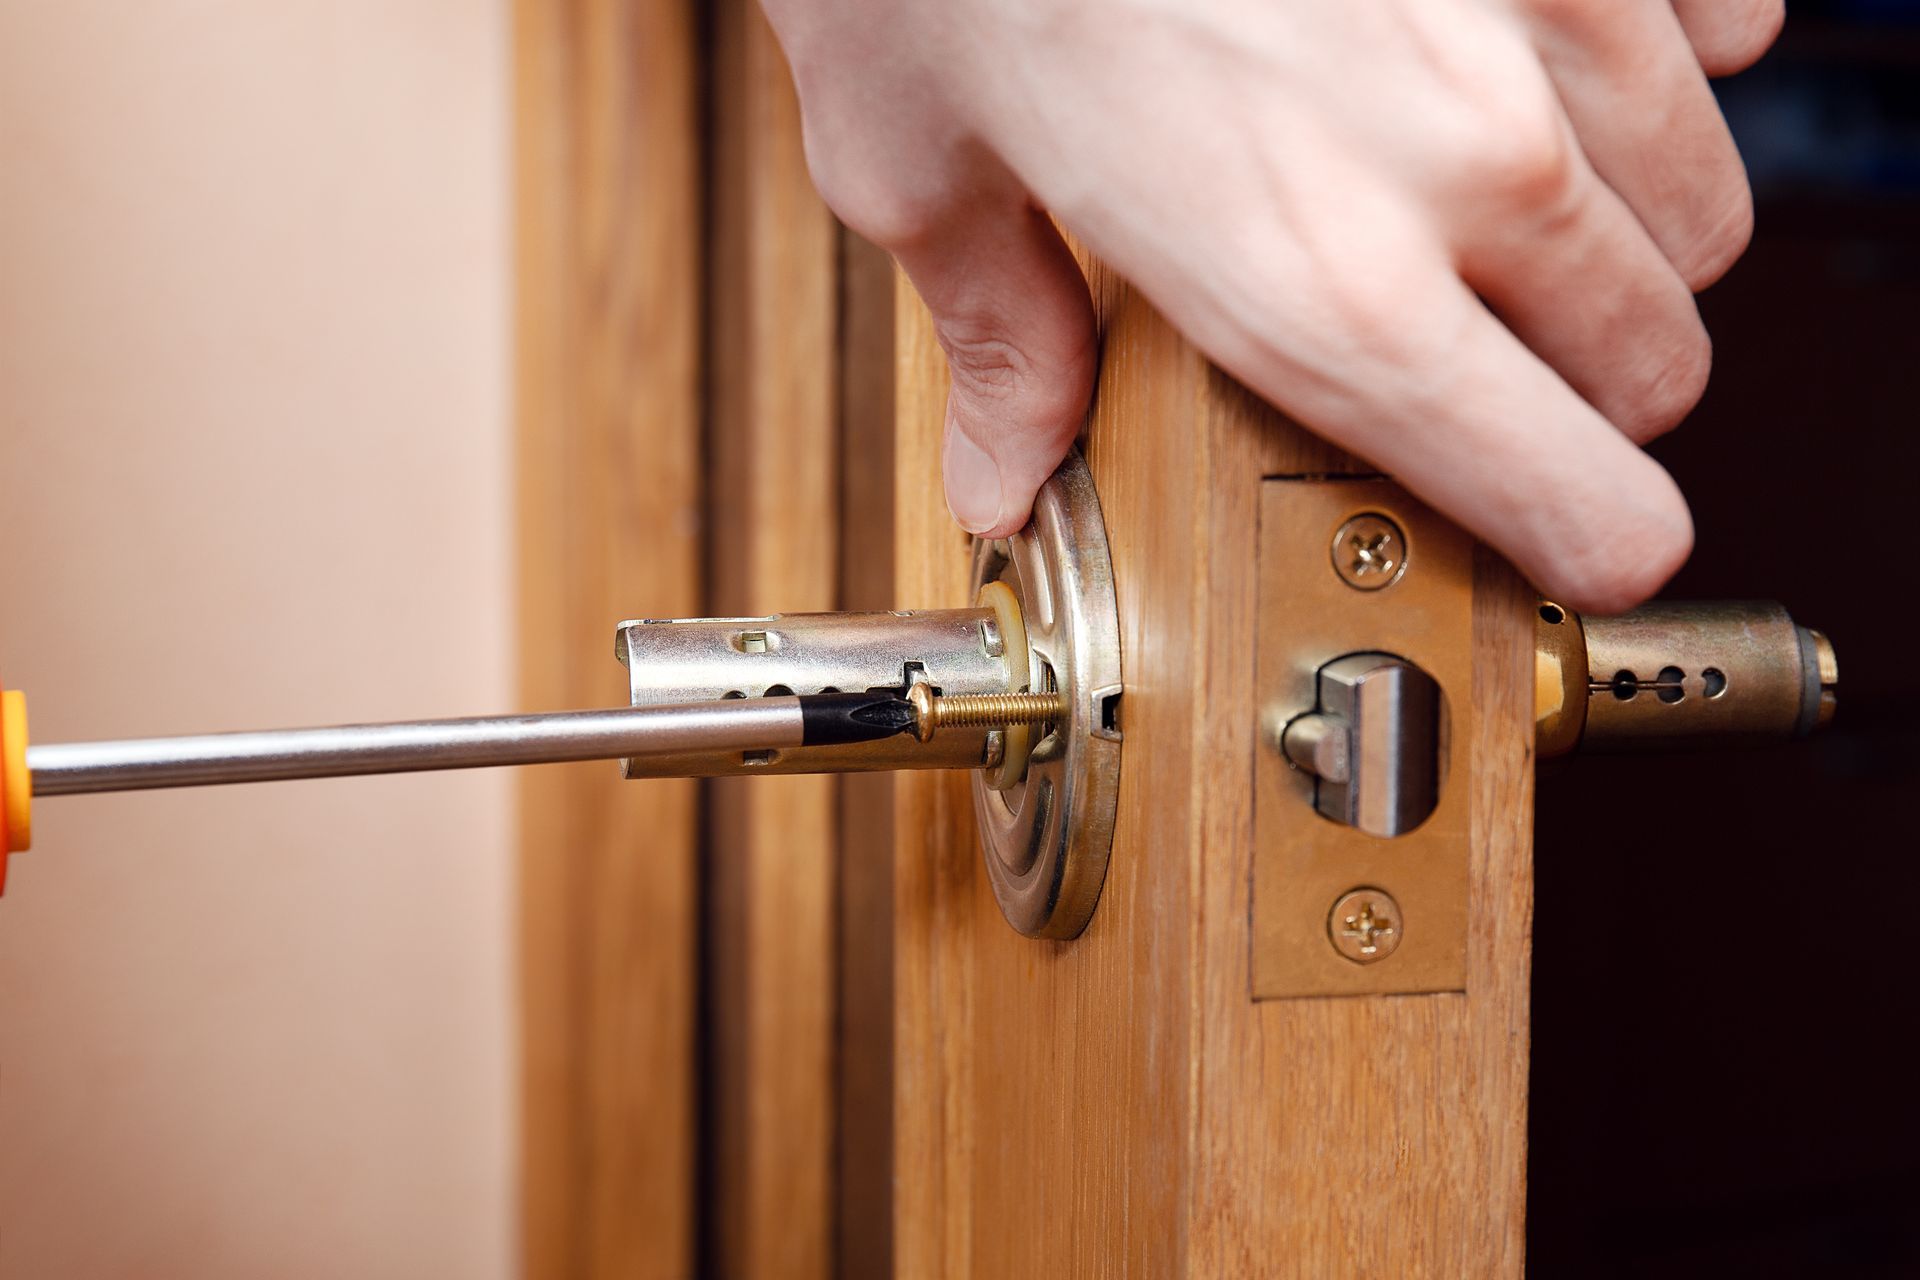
(1460, 238)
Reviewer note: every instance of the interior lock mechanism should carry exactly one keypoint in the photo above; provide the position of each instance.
(1022, 687)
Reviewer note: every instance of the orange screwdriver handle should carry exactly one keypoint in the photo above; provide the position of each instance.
(16, 784)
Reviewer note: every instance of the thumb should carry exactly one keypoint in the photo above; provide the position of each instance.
(1012, 313)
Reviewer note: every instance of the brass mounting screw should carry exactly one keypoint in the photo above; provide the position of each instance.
(995, 710)
(1369, 552)
(1365, 925)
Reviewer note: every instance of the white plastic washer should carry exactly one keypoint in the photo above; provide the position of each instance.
(999, 597)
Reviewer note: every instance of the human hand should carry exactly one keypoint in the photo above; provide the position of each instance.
(1457, 237)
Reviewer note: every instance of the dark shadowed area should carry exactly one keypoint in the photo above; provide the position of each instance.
(1724, 1082)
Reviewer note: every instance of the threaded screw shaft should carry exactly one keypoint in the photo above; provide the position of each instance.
(932, 713)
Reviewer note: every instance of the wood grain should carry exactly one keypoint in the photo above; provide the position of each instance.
(863, 1074)
(607, 365)
(1120, 1105)
(773, 492)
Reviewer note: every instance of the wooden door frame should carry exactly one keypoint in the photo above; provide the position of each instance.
(705, 367)
(608, 235)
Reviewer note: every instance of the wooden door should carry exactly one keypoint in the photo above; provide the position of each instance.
(1121, 1104)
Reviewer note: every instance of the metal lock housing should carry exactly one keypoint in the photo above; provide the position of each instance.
(1044, 619)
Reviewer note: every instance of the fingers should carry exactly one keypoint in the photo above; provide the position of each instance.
(1506, 448)
(1730, 35)
(1581, 283)
(1649, 125)
(1477, 425)
(1014, 317)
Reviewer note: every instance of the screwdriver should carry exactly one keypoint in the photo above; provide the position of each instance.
(733, 724)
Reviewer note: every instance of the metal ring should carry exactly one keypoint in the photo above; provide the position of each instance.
(1046, 838)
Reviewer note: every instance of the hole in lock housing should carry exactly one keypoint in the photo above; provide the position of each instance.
(1672, 688)
(1045, 684)
(912, 672)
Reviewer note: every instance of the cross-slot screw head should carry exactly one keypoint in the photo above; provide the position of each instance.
(1369, 552)
(1365, 925)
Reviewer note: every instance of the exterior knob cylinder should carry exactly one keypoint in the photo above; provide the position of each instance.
(1679, 676)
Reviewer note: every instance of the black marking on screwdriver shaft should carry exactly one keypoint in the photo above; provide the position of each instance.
(827, 719)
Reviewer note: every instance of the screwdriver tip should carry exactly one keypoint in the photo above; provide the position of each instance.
(832, 718)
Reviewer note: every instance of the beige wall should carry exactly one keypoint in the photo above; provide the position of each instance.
(254, 471)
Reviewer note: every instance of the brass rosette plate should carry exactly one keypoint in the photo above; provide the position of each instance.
(1046, 834)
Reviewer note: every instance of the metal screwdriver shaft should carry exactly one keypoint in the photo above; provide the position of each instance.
(734, 724)
(743, 724)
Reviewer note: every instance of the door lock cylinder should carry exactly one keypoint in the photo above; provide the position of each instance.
(1679, 675)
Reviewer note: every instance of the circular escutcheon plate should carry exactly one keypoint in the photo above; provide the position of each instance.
(1046, 837)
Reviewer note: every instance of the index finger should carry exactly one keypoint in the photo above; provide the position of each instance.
(1463, 414)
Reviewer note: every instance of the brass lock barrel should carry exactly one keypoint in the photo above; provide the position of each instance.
(957, 651)
(1678, 676)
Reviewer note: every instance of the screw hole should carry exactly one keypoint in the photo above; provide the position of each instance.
(1671, 682)
(1552, 614)
(1110, 712)
(1716, 681)
(1625, 684)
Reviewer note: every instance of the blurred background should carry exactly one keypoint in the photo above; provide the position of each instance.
(1723, 1082)
(254, 470)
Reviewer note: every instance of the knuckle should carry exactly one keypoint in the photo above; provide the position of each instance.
(1371, 319)
(1522, 160)
(990, 368)
(984, 359)
(855, 175)
(1389, 319)
(1567, 14)
(887, 214)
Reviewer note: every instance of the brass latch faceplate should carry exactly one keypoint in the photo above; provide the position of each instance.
(1363, 676)
(1364, 679)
